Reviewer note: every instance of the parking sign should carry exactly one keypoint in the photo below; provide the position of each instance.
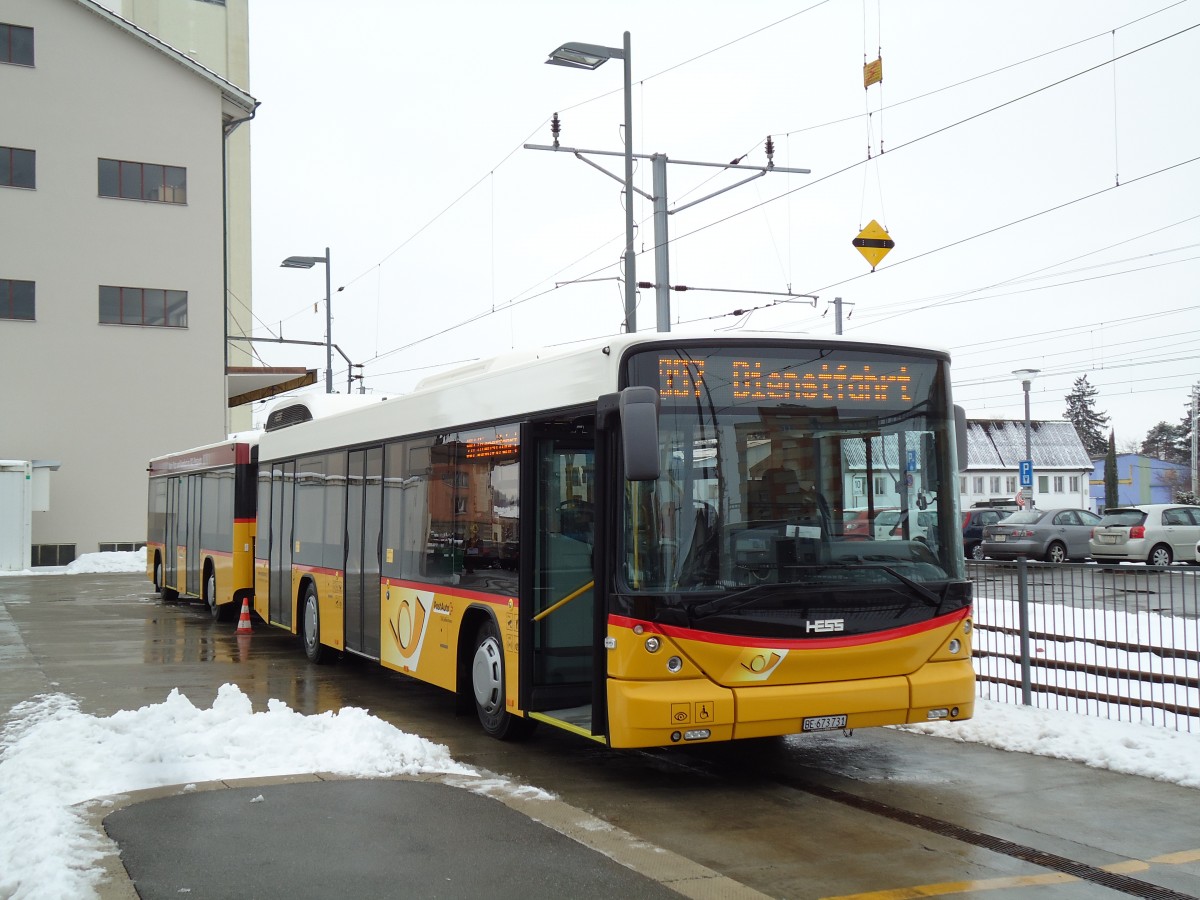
(1026, 468)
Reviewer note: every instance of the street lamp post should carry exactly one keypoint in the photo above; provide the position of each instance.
(307, 262)
(1027, 376)
(590, 56)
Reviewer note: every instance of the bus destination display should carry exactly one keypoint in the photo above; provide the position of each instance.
(753, 379)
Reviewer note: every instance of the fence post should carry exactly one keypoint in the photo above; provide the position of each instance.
(1023, 606)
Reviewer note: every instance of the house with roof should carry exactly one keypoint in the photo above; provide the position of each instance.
(995, 448)
(114, 252)
(1140, 479)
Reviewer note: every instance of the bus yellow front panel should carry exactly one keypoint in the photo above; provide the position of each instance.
(943, 685)
(657, 713)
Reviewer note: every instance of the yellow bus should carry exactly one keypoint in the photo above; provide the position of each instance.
(200, 525)
(638, 540)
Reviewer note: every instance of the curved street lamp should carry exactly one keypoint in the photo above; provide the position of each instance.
(575, 55)
(307, 262)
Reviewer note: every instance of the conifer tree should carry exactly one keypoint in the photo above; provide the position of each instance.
(1081, 413)
(1110, 473)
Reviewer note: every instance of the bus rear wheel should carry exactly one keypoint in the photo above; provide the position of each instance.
(487, 685)
(310, 629)
(210, 596)
(168, 594)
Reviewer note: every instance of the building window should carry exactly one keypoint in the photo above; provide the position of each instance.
(1058, 484)
(977, 484)
(1010, 484)
(962, 484)
(1074, 484)
(16, 44)
(142, 306)
(142, 181)
(17, 167)
(1043, 484)
(16, 299)
(994, 484)
(881, 483)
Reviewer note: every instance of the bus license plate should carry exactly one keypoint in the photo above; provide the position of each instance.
(823, 723)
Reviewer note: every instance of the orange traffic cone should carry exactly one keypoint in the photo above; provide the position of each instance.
(244, 619)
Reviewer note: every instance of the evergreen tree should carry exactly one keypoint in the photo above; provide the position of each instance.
(1081, 413)
(1162, 442)
(1110, 473)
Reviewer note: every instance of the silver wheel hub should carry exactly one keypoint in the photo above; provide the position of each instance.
(486, 676)
(310, 621)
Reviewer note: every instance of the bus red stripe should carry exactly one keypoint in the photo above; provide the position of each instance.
(735, 640)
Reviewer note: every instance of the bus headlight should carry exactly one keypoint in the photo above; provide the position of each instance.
(652, 644)
(966, 626)
(954, 646)
(674, 664)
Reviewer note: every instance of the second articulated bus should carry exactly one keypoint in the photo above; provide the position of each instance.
(640, 540)
(200, 525)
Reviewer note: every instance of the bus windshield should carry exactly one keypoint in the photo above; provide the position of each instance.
(827, 465)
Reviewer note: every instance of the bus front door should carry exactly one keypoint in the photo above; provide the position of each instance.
(561, 627)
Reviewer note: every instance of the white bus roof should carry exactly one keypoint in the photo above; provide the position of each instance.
(507, 387)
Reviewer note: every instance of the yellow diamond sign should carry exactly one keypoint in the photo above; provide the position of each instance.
(873, 243)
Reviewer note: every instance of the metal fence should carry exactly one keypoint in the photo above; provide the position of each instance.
(1121, 642)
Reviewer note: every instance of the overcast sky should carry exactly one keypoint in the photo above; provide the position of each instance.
(392, 134)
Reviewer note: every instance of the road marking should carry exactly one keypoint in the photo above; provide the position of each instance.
(947, 888)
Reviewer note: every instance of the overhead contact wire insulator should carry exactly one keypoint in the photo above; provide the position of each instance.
(770, 153)
(555, 128)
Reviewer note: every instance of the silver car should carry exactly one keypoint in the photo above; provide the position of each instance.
(1054, 535)
(1153, 533)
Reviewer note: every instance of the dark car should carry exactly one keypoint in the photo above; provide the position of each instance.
(1054, 535)
(975, 520)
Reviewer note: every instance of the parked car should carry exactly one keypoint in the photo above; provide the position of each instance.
(975, 520)
(889, 524)
(1153, 533)
(1054, 535)
(856, 523)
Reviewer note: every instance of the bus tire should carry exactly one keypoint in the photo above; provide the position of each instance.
(168, 594)
(310, 628)
(210, 595)
(487, 686)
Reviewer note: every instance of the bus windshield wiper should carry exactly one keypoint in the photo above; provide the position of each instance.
(729, 602)
(925, 593)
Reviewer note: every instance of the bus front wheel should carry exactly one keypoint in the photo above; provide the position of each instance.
(487, 684)
(310, 629)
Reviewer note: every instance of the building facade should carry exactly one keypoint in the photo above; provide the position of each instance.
(1140, 479)
(112, 313)
(995, 449)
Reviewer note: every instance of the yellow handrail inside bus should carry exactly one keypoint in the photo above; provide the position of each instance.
(564, 601)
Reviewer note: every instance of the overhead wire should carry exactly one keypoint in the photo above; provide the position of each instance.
(516, 300)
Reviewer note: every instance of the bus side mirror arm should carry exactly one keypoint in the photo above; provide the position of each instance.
(639, 432)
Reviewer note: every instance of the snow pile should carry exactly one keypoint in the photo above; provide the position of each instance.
(1129, 748)
(121, 561)
(53, 756)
